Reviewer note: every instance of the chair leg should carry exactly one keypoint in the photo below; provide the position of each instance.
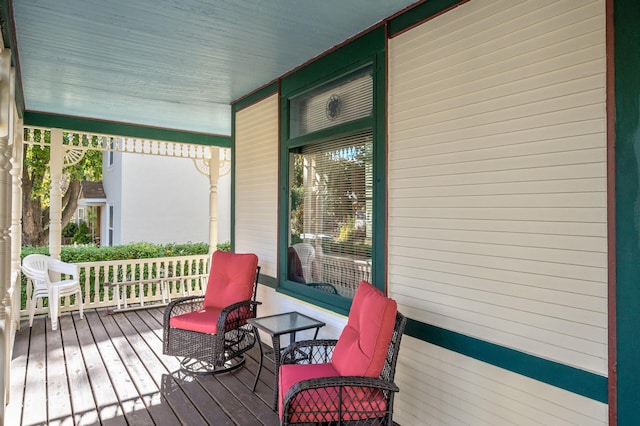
(32, 310)
(53, 309)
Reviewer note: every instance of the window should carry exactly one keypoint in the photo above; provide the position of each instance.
(331, 212)
(331, 204)
(332, 199)
(332, 104)
(110, 221)
(81, 217)
(112, 146)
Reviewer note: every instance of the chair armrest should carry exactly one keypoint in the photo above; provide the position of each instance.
(317, 351)
(341, 381)
(237, 314)
(59, 266)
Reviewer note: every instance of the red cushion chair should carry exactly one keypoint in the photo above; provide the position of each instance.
(349, 380)
(211, 331)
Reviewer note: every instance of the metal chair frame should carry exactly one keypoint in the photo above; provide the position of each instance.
(381, 390)
(211, 353)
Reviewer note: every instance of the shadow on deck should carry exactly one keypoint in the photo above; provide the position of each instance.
(109, 370)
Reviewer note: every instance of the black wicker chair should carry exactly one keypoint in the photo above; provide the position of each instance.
(324, 397)
(211, 331)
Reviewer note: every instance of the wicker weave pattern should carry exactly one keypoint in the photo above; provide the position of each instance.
(317, 351)
(340, 400)
(212, 350)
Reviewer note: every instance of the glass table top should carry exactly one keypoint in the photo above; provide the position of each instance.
(288, 322)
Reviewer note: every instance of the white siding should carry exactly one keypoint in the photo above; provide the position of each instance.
(497, 177)
(164, 200)
(112, 184)
(440, 387)
(256, 202)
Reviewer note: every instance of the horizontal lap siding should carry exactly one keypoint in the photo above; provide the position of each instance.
(457, 390)
(256, 182)
(497, 176)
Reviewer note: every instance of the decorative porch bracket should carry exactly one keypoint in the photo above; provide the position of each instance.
(213, 171)
(68, 151)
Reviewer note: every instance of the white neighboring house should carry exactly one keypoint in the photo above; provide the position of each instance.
(165, 200)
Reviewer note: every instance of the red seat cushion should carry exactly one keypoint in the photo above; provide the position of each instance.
(362, 347)
(204, 321)
(231, 278)
(321, 405)
(291, 374)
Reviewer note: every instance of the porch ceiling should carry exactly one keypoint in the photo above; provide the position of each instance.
(168, 63)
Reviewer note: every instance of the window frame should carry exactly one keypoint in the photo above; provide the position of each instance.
(366, 51)
(110, 152)
(110, 224)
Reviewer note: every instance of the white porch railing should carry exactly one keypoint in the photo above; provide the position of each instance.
(343, 272)
(133, 283)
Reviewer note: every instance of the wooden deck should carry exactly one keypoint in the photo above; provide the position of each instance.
(109, 370)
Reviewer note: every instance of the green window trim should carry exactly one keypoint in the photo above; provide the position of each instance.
(367, 50)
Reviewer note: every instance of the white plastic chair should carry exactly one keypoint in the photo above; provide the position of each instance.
(307, 255)
(37, 267)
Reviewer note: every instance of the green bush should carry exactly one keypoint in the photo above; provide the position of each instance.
(226, 246)
(91, 253)
(82, 235)
(69, 230)
(346, 247)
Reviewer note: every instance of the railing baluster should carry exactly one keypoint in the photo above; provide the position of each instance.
(180, 276)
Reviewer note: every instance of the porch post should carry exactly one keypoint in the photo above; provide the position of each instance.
(214, 172)
(16, 213)
(56, 163)
(5, 223)
(12, 323)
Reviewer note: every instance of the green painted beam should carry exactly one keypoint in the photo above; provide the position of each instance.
(123, 129)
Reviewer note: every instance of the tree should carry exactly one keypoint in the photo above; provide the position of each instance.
(36, 182)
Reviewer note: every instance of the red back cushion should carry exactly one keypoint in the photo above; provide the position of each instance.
(231, 278)
(362, 347)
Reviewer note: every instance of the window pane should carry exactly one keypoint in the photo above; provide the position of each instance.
(331, 202)
(110, 226)
(332, 104)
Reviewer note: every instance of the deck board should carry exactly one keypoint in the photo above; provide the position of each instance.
(13, 411)
(35, 394)
(58, 397)
(131, 405)
(82, 402)
(109, 370)
(106, 399)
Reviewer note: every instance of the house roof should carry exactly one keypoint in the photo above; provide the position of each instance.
(169, 64)
(92, 190)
